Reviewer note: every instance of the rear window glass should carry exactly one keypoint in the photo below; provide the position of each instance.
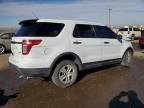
(123, 29)
(40, 29)
(130, 29)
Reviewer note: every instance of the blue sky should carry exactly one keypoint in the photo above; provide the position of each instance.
(38, 1)
(124, 12)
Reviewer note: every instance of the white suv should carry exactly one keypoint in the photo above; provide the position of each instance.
(130, 32)
(62, 48)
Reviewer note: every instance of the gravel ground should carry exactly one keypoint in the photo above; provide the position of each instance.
(104, 87)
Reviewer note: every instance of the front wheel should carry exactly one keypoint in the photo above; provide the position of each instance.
(127, 57)
(65, 74)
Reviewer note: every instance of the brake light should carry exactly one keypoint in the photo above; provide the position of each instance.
(28, 44)
(128, 32)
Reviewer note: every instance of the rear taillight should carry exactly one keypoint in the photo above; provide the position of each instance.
(28, 44)
(128, 32)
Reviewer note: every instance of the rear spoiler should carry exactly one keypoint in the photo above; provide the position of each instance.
(31, 21)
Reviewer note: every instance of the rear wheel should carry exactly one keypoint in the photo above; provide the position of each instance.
(65, 74)
(127, 57)
(132, 37)
(2, 49)
(142, 46)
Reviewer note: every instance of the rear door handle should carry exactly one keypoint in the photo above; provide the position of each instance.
(77, 42)
(106, 42)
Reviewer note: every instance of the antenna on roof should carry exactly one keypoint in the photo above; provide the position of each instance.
(35, 15)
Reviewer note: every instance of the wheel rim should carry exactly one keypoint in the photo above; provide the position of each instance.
(2, 49)
(67, 74)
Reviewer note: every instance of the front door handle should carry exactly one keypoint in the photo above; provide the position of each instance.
(77, 42)
(106, 42)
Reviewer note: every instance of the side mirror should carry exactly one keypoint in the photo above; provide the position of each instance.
(119, 37)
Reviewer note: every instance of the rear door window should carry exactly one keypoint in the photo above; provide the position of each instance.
(84, 31)
(40, 29)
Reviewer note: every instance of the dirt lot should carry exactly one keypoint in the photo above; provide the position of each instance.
(105, 87)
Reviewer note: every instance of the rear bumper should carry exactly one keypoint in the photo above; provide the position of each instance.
(31, 72)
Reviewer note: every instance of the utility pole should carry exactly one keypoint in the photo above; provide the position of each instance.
(109, 16)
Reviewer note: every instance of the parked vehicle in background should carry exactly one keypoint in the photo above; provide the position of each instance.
(62, 48)
(129, 32)
(141, 42)
(5, 40)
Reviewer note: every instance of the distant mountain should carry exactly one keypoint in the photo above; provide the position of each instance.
(7, 29)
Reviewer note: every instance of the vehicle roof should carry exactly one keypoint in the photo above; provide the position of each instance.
(129, 27)
(69, 21)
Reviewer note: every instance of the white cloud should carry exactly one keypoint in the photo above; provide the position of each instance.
(123, 11)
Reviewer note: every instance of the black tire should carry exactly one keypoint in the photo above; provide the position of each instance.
(142, 46)
(2, 49)
(64, 77)
(127, 57)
